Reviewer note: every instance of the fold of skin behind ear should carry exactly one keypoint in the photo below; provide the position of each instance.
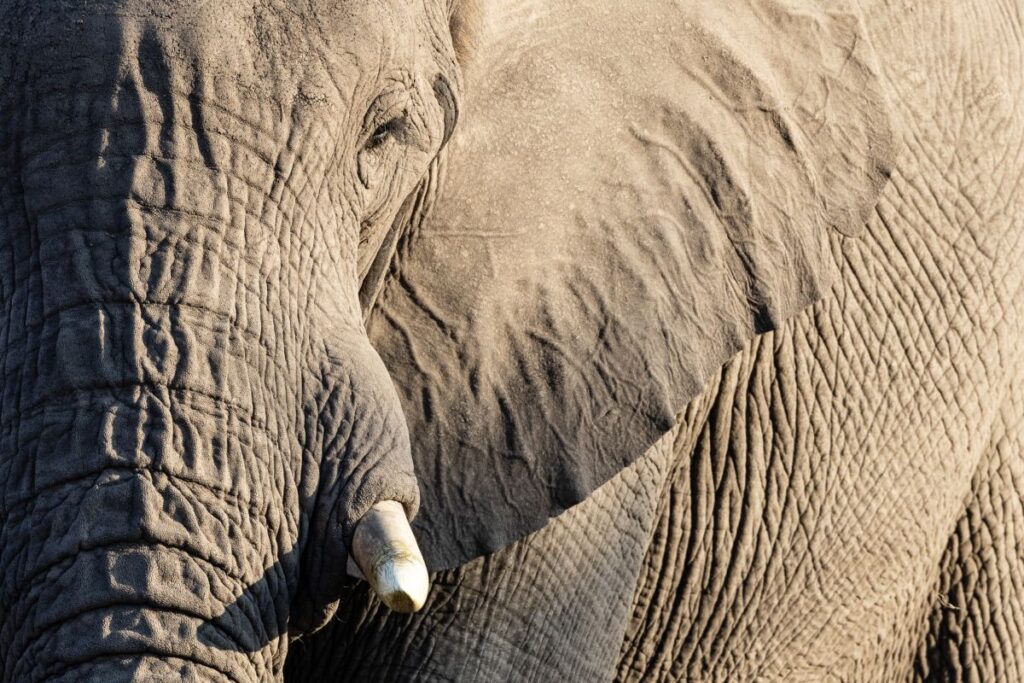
(632, 194)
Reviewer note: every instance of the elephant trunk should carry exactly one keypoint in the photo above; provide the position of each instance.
(182, 445)
(149, 510)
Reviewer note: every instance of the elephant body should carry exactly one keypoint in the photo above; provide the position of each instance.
(685, 355)
(844, 500)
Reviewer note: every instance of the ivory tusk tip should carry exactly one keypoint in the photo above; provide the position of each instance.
(402, 583)
(384, 551)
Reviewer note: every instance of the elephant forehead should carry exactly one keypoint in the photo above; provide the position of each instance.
(319, 51)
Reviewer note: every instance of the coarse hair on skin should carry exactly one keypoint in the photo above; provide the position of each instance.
(465, 21)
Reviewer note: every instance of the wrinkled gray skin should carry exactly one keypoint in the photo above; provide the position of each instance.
(196, 215)
(843, 501)
(194, 419)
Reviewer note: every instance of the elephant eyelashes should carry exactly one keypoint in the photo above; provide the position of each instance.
(372, 157)
(385, 131)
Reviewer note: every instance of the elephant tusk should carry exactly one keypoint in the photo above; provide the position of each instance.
(387, 557)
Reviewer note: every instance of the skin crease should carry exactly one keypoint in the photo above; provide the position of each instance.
(843, 501)
(840, 500)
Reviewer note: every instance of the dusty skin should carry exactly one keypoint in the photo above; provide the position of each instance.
(687, 336)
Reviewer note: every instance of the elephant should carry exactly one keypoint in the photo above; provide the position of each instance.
(685, 339)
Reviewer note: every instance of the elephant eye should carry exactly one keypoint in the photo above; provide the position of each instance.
(376, 150)
(385, 131)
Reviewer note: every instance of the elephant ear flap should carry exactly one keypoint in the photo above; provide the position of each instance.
(635, 191)
(838, 119)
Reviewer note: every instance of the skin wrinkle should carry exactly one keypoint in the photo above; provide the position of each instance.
(253, 506)
(228, 527)
(164, 660)
(105, 607)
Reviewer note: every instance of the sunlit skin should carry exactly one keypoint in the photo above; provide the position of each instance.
(531, 340)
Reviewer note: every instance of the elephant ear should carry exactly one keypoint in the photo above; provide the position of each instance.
(635, 190)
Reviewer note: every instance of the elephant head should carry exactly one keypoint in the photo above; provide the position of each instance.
(196, 427)
(214, 217)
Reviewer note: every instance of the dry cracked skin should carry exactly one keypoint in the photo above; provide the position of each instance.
(687, 335)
